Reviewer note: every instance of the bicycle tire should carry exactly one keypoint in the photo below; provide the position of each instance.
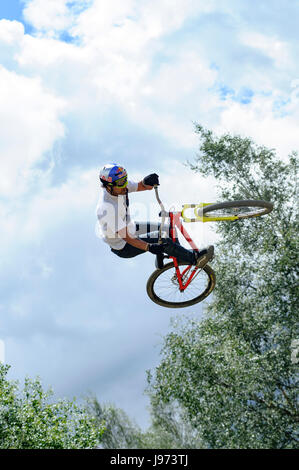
(261, 208)
(150, 287)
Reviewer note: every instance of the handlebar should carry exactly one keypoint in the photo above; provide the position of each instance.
(158, 198)
(163, 213)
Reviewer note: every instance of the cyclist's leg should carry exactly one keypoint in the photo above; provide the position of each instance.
(178, 251)
(128, 251)
(141, 228)
(171, 248)
(149, 232)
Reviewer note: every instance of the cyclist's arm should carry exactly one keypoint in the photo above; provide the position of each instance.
(123, 233)
(143, 187)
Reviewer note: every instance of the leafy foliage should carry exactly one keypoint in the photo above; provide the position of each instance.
(28, 419)
(233, 372)
(120, 432)
(169, 429)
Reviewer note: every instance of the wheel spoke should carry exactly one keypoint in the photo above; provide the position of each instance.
(166, 287)
(241, 209)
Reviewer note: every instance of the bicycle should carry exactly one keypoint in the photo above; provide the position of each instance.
(177, 284)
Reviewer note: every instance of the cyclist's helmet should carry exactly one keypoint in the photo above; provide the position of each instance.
(113, 175)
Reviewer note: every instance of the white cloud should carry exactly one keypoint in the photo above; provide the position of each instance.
(127, 25)
(274, 48)
(51, 208)
(11, 39)
(111, 63)
(176, 95)
(48, 15)
(11, 31)
(119, 40)
(30, 224)
(259, 120)
(29, 125)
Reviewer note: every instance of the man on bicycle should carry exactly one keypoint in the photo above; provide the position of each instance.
(126, 238)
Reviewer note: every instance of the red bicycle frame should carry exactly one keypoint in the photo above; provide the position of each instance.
(186, 276)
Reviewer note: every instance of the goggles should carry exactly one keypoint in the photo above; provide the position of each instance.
(122, 182)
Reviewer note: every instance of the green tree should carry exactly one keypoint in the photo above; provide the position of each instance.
(120, 432)
(30, 420)
(168, 430)
(235, 373)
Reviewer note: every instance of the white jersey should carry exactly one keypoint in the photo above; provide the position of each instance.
(113, 215)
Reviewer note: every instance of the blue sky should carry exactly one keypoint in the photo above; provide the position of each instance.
(86, 82)
(11, 10)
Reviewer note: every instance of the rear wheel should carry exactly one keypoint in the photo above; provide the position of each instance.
(240, 209)
(163, 286)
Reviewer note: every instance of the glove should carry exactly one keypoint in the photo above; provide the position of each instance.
(156, 248)
(151, 179)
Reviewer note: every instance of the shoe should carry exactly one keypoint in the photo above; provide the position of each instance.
(204, 256)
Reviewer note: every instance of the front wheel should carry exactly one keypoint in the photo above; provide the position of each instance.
(237, 209)
(163, 286)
